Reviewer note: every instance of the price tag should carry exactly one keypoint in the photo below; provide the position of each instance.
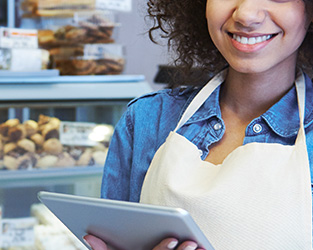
(84, 133)
(18, 38)
(17, 232)
(77, 133)
(119, 5)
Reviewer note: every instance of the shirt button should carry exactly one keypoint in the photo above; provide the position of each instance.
(217, 126)
(200, 152)
(257, 128)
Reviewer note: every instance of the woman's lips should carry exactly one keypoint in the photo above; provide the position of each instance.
(250, 43)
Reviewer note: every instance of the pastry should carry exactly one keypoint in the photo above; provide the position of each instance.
(86, 159)
(8, 147)
(27, 145)
(99, 147)
(99, 157)
(50, 131)
(31, 127)
(12, 122)
(10, 162)
(17, 133)
(47, 161)
(75, 152)
(4, 127)
(76, 34)
(43, 119)
(53, 146)
(27, 161)
(65, 160)
(37, 139)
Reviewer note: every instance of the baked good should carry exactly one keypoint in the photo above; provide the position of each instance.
(12, 122)
(37, 139)
(65, 160)
(99, 157)
(27, 145)
(9, 147)
(52, 146)
(75, 152)
(50, 127)
(86, 159)
(10, 162)
(50, 131)
(27, 161)
(4, 127)
(63, 8)
(17, 133)
(43, 119)
(31, 127)
(46, 161)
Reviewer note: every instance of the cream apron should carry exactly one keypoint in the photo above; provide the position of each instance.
(258, 198)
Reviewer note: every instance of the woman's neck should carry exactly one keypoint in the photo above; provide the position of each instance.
(250, 95)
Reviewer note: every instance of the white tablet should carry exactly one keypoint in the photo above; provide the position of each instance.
(123, 225)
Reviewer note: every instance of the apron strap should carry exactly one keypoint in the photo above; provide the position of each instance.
(300, 86)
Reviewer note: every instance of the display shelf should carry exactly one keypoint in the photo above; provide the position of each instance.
(72, 88)
(35, 177)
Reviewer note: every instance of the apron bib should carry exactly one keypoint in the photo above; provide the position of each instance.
(258, 198)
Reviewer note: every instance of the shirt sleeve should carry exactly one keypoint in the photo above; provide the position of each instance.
(116, 172)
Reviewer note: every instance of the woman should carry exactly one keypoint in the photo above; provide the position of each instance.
(236, 153)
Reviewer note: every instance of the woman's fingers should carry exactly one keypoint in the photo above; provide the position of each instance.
(95, 243)
(172, 243)
(169, 243)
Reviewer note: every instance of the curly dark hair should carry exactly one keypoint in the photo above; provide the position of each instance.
(184, 24)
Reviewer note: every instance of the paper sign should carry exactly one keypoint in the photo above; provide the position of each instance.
(18, 38)
(119, 5)
(76, 133)
(17, 232)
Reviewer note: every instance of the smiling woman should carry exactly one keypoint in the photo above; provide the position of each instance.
(184, 24)
(237, 153)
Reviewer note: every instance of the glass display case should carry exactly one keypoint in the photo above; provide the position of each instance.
(46, 123)
(91, 100)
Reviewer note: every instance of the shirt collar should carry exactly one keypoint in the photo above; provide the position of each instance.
(283, 121)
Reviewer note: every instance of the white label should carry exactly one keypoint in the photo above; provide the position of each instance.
(77, 133)
(103, 50)
(18, 38)
(17, 232)
(119, 5)
(26, 60)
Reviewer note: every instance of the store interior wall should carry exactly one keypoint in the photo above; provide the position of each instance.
(142, 55)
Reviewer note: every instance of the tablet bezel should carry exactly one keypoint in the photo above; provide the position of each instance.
(123, 225)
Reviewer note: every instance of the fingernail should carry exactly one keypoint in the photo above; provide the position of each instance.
(86, 242)
(172, 244)
(190, 247)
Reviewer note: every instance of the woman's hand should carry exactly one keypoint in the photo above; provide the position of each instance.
(172, 243)
(95, 243)
(166, 244)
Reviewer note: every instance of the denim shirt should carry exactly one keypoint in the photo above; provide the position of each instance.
(148, 120)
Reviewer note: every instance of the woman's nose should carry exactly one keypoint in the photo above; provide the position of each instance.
(249, 13)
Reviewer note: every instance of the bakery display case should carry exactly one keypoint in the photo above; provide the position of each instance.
(54, 135)
(62, 91)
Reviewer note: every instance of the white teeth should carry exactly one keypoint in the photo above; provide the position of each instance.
(251, 40)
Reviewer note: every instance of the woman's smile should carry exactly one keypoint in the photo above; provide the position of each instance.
(250, 43)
